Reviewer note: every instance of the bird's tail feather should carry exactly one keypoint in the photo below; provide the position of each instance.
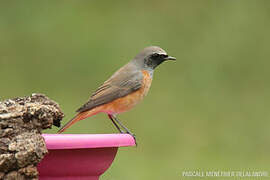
(78, 117)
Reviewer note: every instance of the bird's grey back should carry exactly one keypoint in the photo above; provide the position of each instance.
(123, 82)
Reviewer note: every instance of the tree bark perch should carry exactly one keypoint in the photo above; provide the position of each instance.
(21, 145)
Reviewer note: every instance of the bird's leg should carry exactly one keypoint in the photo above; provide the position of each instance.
(114, 123)
(126, 129)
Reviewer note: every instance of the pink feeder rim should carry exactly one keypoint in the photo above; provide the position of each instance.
(82, 141)
(80, 156)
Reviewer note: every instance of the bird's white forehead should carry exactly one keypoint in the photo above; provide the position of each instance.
(151, 50)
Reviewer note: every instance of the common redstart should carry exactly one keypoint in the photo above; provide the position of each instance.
(124, 89)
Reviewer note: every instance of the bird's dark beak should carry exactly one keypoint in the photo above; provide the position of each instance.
(170, 58)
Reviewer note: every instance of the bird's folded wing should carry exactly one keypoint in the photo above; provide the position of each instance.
(119, 85)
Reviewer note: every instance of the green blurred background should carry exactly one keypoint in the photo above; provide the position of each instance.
(207, 111)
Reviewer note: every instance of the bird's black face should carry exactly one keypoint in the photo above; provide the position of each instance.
(155, 59)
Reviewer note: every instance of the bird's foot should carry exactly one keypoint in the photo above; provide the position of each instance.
(134, 137)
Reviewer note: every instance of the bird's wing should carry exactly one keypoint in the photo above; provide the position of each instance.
(125, 81)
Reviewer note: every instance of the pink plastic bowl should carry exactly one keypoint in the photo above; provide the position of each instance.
(80, 156)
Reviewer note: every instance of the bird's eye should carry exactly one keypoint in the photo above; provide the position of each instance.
(159, 56)
(164, 55)
(155, 55)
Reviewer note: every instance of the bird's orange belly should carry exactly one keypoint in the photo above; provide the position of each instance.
(128, 102)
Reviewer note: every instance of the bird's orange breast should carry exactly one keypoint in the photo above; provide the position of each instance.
(127, 102)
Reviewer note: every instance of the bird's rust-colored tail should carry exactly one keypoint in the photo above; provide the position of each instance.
(78, 117)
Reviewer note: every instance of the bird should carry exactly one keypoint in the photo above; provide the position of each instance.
(124, 89)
